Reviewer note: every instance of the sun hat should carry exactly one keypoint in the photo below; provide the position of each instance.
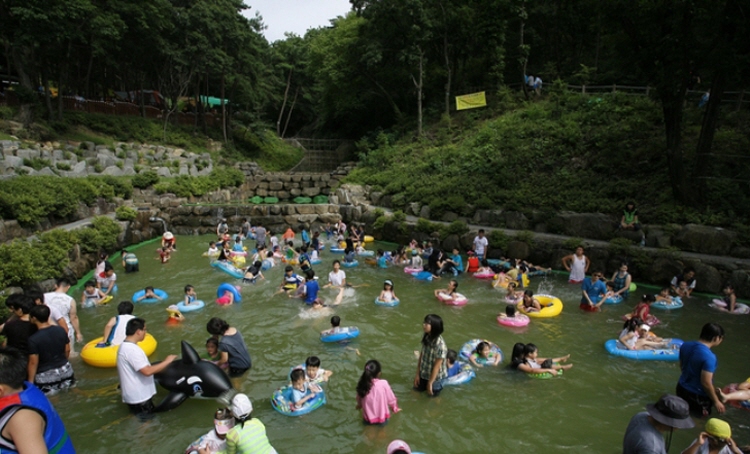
(718, 428)
(223, 421)
(414, 252)
(388, 282)
(672, 411)
(241, 406)
(645, 327)
(398, 445)
(168, 235)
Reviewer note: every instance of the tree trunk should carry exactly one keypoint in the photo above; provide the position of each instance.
(283, 105)
(223, 108)
(418, 84)
(703, 159)
(291, 109)
(672, 108)
(523, 50)
(47, 97)
(449, 76)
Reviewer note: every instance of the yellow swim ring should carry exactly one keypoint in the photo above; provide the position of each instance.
(551, 307)
(369, 239)
(107, 356)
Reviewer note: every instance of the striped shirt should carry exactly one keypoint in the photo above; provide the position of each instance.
(249, 438)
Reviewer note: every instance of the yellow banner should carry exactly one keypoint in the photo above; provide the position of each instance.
(471, 101)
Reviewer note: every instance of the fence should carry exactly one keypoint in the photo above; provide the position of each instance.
(74, 104)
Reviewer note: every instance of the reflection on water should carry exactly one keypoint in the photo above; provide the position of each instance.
(586, 410)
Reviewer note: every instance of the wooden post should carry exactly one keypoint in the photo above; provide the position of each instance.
(648, 90)
(614, 88)
(583, 89)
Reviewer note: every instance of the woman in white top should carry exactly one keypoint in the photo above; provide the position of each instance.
(577, 264)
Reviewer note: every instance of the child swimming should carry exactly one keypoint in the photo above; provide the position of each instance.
(642, 310)
(531, 363)
(213, 354)
(454, 367)
(513, 296)
(375, 396)
(148, 292)
(635, 336)
(253, 273)
(531, 304)
(387, 295)
(190, 295)
(510, 312)
(313, 372)
(92, 296)
(302, 391)
(484, 356)
(213, 251)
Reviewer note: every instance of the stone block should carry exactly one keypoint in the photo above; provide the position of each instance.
(306, 209)
(518, 249)
(28, 154)
(311, 192)
(282, 195)
(515, 220)
(47, 172)
(164, 172)
(113, 171)
(184, 170)
(11, 162)
(424, 212)
(449, 216)
(275, 185)
(705, 239)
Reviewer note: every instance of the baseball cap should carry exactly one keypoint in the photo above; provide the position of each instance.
(398, 445)
(241, 406)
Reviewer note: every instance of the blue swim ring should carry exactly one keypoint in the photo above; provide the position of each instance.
(675, 304)
(267, 264)
(114, 289)
(342, 334)
(616, 299)
(316, 261)
(366, 253)
(350, 264)
(337, 250)
(393, 302)
(231, 288)
(157, 291)
(282, 399)
(616, 348)
(468, 349)
(229, 269)
(465, 374)
(423, 276)
(194, 306)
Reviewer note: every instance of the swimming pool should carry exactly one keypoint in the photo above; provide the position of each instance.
(586, 410)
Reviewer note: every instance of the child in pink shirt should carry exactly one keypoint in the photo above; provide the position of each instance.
(374, 395)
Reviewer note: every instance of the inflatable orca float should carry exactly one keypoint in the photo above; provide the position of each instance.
(191, 377)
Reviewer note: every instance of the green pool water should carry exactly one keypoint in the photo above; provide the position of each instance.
(501, 410)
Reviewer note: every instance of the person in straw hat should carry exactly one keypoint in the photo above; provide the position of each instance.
(644, 433)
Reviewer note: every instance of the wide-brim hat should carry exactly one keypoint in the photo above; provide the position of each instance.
(672, 411)
(398, 445)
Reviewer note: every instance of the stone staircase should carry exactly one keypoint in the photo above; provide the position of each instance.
(321, 155)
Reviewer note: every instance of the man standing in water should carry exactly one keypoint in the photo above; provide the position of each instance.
(698, 364)
(644, 433)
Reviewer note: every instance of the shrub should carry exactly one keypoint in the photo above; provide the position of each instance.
(101, 236)
(379, 222)
(454, 228)
(425, 226)
(145, 179)
(6, 113)
(525, 236)
(37, 163)
(125, 213)
(573, 243)
(63, 166)
(498, 239)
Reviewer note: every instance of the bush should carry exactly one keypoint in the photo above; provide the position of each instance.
(425, 226)
(6, 113)
(37, 163)
(454, 228)
(525, 236)
(498, 240)
(101, 236)
(62, 166)
(145, 179)
(124, 213)
(573, 243)
(186, 186)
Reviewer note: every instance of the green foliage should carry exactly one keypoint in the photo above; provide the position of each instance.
(6, 113)
(525, 236)
(498, 239)
(25, 262)
(146, 179)
(125, 213)
(186, 186)
(37, 163)
(378, 212)
(573, 243)
(28, 199)
(425, 226)
(454, 228)
(266, 149)
(380, 222)
(62, 166)
(399, 216)
(621, 247)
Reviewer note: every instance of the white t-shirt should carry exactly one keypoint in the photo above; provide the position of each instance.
(59, 307)
(118, 332)
(106, 282)
(336, 278)
(479, 245)
(136, 387)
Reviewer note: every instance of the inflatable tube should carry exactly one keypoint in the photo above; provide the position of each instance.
(393, 302)
(100, 355)
(231, 288)
(267, 264)
(302, 200)
(93, 302)
(271, 200)
(114, 289)
(497, 262)
(337, 250)
(238, 253)
(484, 275)
(315, 261)
(423, 276)
(739, 308)
(516, 300)
(616, 299)
(457, 300)
(732, 387)
(366, 253)
(675, 304)
(320, 199)
(516, 322)
(468, 348)
(413, 270)
(465, 375)
(369, 239)
(545, 375)
(282, 398)
(342, 334)
(157, 291)
(194, 306)
(616, 348)
(350, 264)
(229, 269)
(551, 307)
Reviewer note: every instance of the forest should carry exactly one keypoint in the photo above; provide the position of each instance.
(395, 66)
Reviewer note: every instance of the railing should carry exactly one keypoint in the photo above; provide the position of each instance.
(74, 104)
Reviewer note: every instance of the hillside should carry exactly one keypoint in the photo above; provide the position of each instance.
(564, 152)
